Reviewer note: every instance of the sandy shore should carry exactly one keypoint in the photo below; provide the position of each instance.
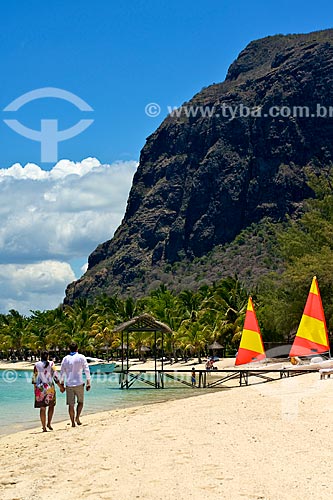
(269, 441)
(134, 364)
(19, 365)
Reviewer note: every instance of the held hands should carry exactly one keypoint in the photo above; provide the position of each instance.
(88, 386)
(62, 388)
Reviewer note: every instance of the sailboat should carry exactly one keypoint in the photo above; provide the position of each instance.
(251, 347)
(312, 337)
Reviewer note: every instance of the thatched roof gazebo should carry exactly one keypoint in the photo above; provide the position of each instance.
(215, 346)
(144, 348)
(122, 347)
(142, 323)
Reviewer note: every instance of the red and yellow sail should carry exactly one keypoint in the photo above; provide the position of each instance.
(311, 336)
(251, 347)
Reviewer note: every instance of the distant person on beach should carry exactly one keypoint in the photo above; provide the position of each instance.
(72, 367)
(193, 378)
(44, 376)
(210, 364)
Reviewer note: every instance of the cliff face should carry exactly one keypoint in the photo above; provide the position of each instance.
(202, 179)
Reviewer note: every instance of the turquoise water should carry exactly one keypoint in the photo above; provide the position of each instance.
(17, 410)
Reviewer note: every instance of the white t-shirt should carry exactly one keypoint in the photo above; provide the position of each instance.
(72, 367)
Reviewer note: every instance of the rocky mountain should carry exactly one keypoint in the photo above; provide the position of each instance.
(232, 156)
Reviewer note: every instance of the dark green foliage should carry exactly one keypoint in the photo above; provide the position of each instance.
(196, 319)
(306, 246)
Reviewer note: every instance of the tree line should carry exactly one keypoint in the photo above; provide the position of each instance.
(197, 319)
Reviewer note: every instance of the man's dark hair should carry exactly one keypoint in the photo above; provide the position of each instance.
(73, 347)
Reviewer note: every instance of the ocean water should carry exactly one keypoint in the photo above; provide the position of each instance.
(17, 410)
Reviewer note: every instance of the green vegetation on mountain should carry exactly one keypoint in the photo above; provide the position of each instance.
(306, 247)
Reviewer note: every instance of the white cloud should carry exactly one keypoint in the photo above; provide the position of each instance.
(30, 171)
(62, 169)
(33, 286)
(84, 267)
(59, 215)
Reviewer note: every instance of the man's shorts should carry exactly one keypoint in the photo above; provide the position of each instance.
(72, 392)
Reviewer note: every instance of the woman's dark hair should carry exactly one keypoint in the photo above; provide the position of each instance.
(44, 357)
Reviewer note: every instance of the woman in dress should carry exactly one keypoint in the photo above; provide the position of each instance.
(44, 376)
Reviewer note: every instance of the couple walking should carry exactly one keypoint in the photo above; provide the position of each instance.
(44, 377)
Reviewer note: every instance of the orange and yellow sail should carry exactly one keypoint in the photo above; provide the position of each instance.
(251, 347)
(311, 336)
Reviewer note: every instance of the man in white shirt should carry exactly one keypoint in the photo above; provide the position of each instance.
(72, 367)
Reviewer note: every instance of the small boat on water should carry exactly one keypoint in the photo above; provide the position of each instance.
(102, 368)
(98, 366)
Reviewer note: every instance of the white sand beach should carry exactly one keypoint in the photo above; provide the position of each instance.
(135, 364)
(268, 441)
(20, 365)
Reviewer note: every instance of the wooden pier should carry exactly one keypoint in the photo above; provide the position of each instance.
(204, 378)
(159, 376)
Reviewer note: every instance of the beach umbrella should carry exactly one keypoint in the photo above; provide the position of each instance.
(144, 348)
(124, 346)
(215, 346)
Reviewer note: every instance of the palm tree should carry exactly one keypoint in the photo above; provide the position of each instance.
(192, 338)
(102, 332)
(129, 308)
(15, 332)
(225, 311)
(75, 326)
(163, 305)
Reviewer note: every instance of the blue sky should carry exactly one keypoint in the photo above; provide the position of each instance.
(118, 57)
